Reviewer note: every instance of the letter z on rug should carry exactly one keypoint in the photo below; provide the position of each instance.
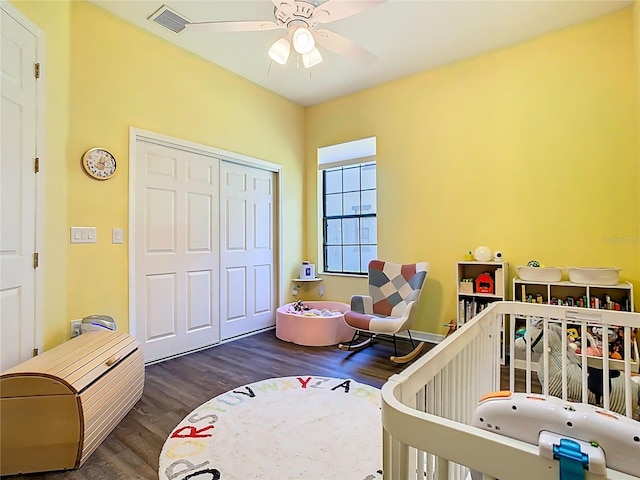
(303, 428)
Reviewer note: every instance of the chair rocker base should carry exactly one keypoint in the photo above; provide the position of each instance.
(370, 340)
(409, 356)
(349, 347)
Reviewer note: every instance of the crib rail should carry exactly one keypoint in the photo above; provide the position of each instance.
(427, 408)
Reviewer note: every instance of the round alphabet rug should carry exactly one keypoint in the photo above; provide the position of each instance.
(303, 428)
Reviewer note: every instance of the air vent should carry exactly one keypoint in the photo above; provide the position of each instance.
(169, 18)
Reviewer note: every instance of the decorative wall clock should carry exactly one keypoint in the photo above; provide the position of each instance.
(99, 163)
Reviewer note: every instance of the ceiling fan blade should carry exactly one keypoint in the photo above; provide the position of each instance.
(245, 26)
(336, 43)
(333, 10)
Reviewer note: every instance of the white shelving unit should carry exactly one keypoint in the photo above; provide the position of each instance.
(471, 300)
(567, 293)
(574, 294)
(472, 297)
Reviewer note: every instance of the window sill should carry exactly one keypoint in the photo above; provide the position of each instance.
(347, 275)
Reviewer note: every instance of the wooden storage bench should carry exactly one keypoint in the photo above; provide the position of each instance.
(58, 407)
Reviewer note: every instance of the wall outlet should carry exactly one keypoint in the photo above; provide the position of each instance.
(76, 328)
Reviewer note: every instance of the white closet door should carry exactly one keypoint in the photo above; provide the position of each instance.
(17, 193)
(247, 293)
(176, 250)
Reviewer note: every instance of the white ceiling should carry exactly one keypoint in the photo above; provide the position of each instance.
(407, 36)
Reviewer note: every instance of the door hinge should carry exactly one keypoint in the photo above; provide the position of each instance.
(36, 70)
(36, 259)
(35, 352)
(36, 166)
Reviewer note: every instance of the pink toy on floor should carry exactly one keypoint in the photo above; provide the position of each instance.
(302, 329)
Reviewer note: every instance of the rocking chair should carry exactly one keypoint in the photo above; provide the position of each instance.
(394, 291)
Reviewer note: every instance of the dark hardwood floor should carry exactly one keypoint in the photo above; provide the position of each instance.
(176, 387)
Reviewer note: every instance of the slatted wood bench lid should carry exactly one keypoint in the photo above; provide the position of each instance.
(68, 368)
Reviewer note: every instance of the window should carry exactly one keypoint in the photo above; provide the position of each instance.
(349, 222)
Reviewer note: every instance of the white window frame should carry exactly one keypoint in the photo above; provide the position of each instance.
(356, 153)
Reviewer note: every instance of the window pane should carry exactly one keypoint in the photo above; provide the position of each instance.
(334, 259)
(351, 259)
(334, 205)
(351, 179)
(368, 180)
(368, 201)
(351, 203)
(368, 230)
(350, 240)
(334, 232)
(333, 181)
(350, 231)
(368, 253)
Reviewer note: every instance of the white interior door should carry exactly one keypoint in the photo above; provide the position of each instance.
(176, 250)
(248, 292)
(17, 193)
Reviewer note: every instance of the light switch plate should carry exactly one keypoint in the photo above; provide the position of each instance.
(84, 235)
(117, 236)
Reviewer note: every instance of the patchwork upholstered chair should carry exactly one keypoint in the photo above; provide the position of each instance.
(389, 308)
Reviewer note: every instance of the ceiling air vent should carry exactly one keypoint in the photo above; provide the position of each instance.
(169, 18)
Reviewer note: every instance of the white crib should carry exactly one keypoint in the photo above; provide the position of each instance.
(428, 407)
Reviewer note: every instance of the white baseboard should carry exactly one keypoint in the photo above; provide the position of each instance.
(423, 336)
(205, 347)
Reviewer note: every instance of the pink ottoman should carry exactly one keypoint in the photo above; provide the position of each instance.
(313, 331)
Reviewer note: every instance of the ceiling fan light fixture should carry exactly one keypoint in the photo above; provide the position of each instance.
(279, 51)
(312, 58)
(303, 41)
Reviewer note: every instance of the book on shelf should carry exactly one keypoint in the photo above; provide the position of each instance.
(583, 301)
(498, 282)
(469, 308)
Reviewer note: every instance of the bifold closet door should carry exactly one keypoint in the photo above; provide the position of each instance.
(176, 249)
(248, 277)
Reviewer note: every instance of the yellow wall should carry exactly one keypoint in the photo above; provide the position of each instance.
(532, 150)
(120, 76)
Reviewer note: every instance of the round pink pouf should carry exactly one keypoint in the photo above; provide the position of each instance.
(313, 331)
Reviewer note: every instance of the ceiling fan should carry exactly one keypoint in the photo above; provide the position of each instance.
(300, 18)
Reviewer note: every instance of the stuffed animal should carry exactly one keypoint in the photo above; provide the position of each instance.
(299, 307)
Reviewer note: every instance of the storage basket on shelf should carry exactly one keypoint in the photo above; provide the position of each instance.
(540, 274)
(595, 275)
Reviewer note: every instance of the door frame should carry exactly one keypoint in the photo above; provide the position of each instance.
(136, 134)
(41, 152)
